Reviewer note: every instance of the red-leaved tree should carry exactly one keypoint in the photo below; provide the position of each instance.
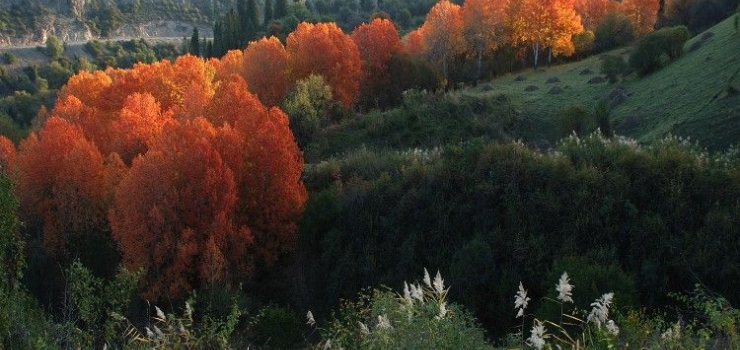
(323, 49)
(377, 42)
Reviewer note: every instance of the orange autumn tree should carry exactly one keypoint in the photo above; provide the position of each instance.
(323, 49)
(442, 34)
(211, 196)
(593, 12)
(545, 24)
(98, 102)
(7, 156)
(172, 212)
(267, 165)
(65, 184)
(567, 24)
(231, 63)
(483, 27)
(377, 42)
(642, 13)
(139, 123)
(265, 68)
(213, 185)
(413, 42)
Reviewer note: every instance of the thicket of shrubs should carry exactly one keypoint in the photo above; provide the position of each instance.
(123, 54)
(424, 120)
(643, 219)
(658, 49)
(24, 91)
(613, 67)
(616, 30)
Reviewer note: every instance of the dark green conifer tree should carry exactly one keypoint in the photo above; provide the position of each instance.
(244, 20)
(253, 14)
(218, 39)
(281, 9)
(268, 11)
(195, 43)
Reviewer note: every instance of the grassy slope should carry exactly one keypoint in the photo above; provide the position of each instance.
(680, 99)
(677, 99)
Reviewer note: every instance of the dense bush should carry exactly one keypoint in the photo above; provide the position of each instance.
(54, 47)
(124, 54)
(89, 303)
(697, 15)
(425, 120)
(512, 212)
(308, 107)
(9, 58)
(407, 73)
(23, 324)
(658, 49)
(421, 317)
(277, 327)
(584, 42)
(613, 67)
(616, 30)
(576, 120)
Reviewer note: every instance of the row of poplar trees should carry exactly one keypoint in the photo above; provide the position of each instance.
(238, 27)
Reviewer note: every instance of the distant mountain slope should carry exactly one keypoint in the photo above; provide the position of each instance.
(28, 22)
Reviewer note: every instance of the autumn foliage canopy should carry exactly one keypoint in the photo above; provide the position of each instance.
(323, 49)
(189, 166)
(193, 176)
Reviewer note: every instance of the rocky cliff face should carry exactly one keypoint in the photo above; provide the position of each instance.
(70, 20)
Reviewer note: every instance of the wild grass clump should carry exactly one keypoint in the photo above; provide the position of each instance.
(573, 330)
(699, 320)
(420, 317)
(175, 331)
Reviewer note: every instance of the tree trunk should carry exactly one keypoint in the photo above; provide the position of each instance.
(536, 49)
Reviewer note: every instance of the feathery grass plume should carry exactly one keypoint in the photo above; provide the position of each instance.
(442, 310)
(179, 332)
(384, 323)
(309, 319)
(600, 312)
(439, 284)
(538, 336)
(521, 300)
(673, 333)
(327, 345)
(160, 314)
(188, 311)
(407, 294)
(565, 289)
(363, 328)
(612, 328)
(149, 333)
(158, 332)
(427, 280)
(417, 293)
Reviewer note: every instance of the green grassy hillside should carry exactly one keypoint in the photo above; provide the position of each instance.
(688, 98)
